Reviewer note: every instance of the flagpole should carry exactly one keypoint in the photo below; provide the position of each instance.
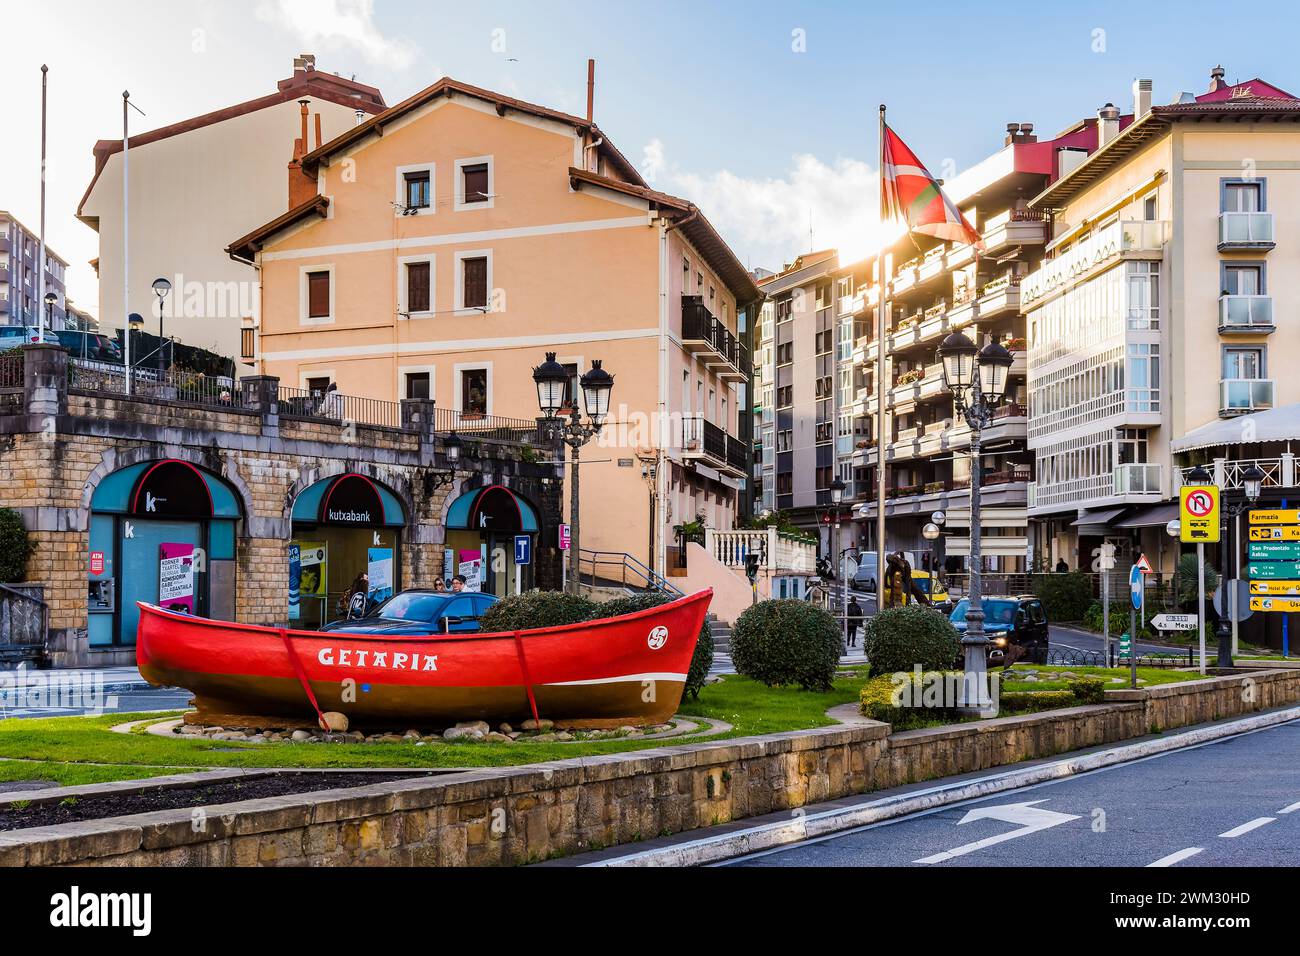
(41, 308)
(882, 317)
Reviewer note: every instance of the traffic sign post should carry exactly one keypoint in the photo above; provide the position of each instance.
(1174, 622)
(523, 558)
(1137, 598)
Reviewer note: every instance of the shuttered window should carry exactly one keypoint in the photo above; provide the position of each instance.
(475, 286)
(318, 295)
(475, 183)
(417, 287)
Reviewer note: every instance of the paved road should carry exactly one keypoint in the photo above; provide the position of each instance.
(71, 693)
(1235, 802)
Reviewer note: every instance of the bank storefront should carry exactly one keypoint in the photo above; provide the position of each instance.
(343, 527)
(483, 528)
(161, 532)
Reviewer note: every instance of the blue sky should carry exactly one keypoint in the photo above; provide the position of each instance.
(762, 112)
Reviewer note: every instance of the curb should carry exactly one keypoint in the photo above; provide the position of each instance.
(806, 826)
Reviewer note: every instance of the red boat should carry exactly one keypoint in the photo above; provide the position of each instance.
(606, 673)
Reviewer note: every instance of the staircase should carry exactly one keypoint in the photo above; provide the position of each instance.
(721, 631)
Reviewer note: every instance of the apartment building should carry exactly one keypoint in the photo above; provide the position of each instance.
(195, 184)
(20, 282)
(1154, 313)
(937, 288)
(795, 369)
(442, 248)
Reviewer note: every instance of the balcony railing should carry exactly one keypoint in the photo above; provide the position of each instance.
(1118, 239)
(1246, 313)
(703, 439)
(1245, 230)
(1238, 396)
(776, 552)
(1138, 479)
(702, 331)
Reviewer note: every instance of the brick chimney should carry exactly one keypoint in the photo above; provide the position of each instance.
(1216, 79)
(302, 185)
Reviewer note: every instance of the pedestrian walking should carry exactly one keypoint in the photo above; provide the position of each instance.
(855, 621)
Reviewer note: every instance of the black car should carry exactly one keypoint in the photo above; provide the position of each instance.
(1010, 621)
(418, 613)
(90, 345)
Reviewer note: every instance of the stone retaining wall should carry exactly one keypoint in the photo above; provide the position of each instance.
(524, 814)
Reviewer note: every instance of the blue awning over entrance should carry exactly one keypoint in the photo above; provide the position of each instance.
(494, 508)
(167, 488)
(348, 495)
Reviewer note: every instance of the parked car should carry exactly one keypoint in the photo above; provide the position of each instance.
(90, 345)
(419, 613)
(1010, 621)
(12, 336)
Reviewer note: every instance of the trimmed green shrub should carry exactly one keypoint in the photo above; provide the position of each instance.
(537, 609)
(889, 699)
(787, 642)
(703, 658)
(15, 547)
(1029, 702)
(1088, 690)
(1065, 597)
(898, 638)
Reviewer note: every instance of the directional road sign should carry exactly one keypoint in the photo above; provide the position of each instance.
(1275, 588)
(1275, 517)
(1288, 533)
(1273, 570)
(1274, 551)
(1174, 622)
(1275, 604)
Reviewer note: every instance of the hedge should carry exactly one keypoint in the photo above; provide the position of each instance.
(1065, 597)
(899, 638)
(537, 609)
(15, 547)
(878, 696)
(787, 643)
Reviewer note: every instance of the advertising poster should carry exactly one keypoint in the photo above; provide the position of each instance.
(176, 577)
(379, 568)
(471, 569)
(295, 581)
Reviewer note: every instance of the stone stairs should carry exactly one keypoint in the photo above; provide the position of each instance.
(721, 631)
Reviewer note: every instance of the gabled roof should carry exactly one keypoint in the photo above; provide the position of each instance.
(303, 84)
(693, 225)
(1228, 104)
(246, 247)
(504, 104)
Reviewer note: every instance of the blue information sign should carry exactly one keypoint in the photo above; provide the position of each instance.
(523, 550)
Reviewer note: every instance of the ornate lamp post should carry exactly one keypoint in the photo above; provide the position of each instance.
(1252, 480)
(837, 498)
(552, 380)
(978, 381)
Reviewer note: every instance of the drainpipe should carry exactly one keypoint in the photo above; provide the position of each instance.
(665, 418)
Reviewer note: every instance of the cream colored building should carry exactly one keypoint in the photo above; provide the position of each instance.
(193, 185)
(441, 249)
(1163, 306)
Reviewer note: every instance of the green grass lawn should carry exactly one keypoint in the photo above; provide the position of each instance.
(67, 749)
(1147, 676)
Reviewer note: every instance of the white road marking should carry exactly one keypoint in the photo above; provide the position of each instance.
(1030, 817)
(1247, 827)
(1178, 857)
(1291, 809)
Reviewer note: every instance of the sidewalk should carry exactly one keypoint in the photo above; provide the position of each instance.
(116, 680)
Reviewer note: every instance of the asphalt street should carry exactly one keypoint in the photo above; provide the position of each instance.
(1234, 802)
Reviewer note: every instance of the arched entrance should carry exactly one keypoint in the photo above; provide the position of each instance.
(342, 527)
(482, 527)
(161, 532)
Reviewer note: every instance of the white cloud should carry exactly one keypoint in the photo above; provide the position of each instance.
(339, 25)
(766, 220)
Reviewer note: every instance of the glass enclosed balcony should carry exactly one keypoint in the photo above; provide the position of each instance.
(1246, 313)
(1245, 230)
(1240, 396)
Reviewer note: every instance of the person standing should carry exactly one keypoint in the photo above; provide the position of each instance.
(855, 621)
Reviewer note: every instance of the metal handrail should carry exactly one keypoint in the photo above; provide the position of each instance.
(643, 578)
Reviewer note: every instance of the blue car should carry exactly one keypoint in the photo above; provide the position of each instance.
(1019, 621)
(417, 613)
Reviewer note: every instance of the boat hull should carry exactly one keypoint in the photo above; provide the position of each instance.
(621, 671)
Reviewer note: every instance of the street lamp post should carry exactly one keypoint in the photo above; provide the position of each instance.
(837, 498)
(160, 288)
(50, 299)
(1253, 481)
(978, 381)
(932, 533)
(552, 380)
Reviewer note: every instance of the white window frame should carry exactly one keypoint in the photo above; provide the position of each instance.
(459, 303)
(460, 205)
(457, 370)
(405, 370)
(304, 297)
(400, 187)
(402, 262)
